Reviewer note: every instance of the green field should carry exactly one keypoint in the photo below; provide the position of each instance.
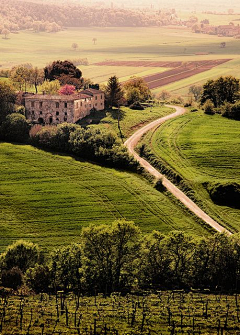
(129, 120)
(47, 198)
(121, 43)
(170, 312)
(202, 149)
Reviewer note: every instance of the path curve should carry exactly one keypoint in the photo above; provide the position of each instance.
(131, 144)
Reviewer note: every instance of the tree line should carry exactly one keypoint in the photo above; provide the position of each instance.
(21, 15)
(119, 258)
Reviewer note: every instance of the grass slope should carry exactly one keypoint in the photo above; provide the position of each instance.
(202, 149)
(47, 198)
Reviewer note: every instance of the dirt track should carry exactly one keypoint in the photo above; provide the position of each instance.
(132, 142)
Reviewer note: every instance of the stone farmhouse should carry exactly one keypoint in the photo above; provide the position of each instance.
(55, 109)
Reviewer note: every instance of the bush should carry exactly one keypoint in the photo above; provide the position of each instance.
(136, 106)
(12, 278)
(15, 128)
(225, 194)
(159, 185)
(21, 254)
(39, 278)
(232, 111)
(209, 107)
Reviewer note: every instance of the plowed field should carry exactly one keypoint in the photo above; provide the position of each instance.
(179, 70)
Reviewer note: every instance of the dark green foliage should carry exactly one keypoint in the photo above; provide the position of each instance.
(21, 254)
(209, 107)
(15, 128)
(38, 278)
(221, 90)
(227, 194)
(65, 266)
(114, 92)
(7, 100)
(232, 111)
(94, 144)
(12, 278)
(64, 71)
(159, 185)
(137, 106)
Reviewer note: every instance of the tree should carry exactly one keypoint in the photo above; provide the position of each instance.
(12, 278)
(38, 278)
(75, 46)
(109, 256)
(114, 92)
(140, 85)
(196, 91)
(163, 95)
(58, 68)
(5, 32)
(7, 100)
(36, 77)
(50, 87)
(20, 76)
(223, 45)
(94, 40)
(221, 90)
(15, 128)
(67, 90)
(21, 254)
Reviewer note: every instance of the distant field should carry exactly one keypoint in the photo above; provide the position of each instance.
(202, 149)
(121, 44)
(48, 198)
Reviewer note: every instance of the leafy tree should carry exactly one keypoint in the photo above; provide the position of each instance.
(109, 256)
(36, 77)
(59, 68)
(209, 107)
(20, 76)
(65, 265)
(232, 111)
(155, 270)
(133, 95)
(196, 91)
(15, 128)
(140, 85)
(38, 278)
(75, 46)
(21, 254)
(114, 92)
(50, 87)
(164, 95)
(12, 278)
(67, 90)
(7, 100)
(221, 90)
(5, 32)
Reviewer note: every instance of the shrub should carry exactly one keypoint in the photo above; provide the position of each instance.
(209, 107)
(12, 278)
(15, 128)
(136, 106)
(39, 278)
(225, 194)
(232, 111)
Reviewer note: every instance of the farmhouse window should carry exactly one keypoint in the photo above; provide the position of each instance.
(40, 104)
(65, 104)
(32, 104)
(95, 104)
(57, 104)
(101, 96)
(57, 113)
(81, 103)
(40, 112)
(65, 118)
(96, 97)
(65, 113)
(32, 112)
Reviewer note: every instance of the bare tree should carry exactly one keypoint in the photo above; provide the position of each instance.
(5, 32)
(75, 46)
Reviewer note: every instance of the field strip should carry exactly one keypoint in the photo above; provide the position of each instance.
(131, 144)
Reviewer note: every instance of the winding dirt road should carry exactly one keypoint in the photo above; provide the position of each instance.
(131, 144)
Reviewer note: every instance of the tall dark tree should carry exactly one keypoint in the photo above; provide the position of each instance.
(7, 100)
(65, 71)
(221, 90)
(114, 92)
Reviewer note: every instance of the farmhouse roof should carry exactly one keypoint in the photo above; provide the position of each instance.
(52, 97)
(91, 91)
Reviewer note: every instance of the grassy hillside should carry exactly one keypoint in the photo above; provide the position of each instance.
(202, 149)
(47, 198)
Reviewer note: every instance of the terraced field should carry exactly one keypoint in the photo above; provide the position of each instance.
(47, 198)
(202, 149)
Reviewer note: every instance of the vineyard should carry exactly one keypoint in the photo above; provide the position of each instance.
(179, 70)
(171, 312)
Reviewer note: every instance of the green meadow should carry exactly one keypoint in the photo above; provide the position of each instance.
(47, 198)
(202, 149)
